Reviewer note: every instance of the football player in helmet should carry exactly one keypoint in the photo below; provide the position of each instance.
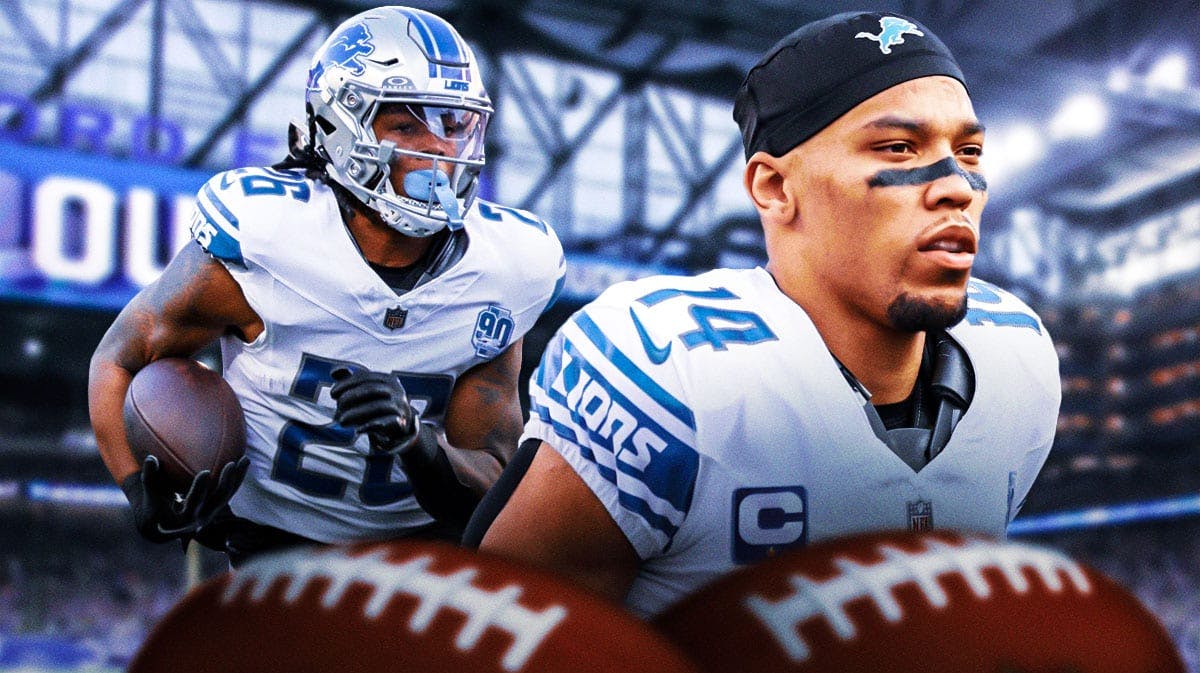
(370, 309)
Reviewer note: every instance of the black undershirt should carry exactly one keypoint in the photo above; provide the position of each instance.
(404, 278)
(897, 414)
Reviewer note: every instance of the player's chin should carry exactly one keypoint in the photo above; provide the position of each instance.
(928, 310)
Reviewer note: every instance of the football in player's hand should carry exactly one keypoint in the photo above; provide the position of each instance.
(398, 606)
(185, 415)
(933, 603)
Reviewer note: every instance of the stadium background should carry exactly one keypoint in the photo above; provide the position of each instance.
(613, 123)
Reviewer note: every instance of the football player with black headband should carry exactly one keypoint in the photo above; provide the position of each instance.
(863, 380)
(370, 309)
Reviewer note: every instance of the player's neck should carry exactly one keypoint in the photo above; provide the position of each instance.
(383, 245)
(885, 361)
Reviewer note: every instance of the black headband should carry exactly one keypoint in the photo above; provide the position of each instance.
(825, 68)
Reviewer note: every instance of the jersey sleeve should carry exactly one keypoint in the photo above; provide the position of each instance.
(214, 224)
(620, 420)
(239, 219)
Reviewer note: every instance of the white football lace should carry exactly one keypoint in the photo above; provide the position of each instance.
(828, 599)
(497, 609)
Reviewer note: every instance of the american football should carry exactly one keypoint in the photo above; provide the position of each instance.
(186, 415)
(935, 603)
(398, 606)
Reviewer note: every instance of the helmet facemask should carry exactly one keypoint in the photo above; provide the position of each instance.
(413, 189)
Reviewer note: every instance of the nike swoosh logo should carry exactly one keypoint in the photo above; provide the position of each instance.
(657, 355)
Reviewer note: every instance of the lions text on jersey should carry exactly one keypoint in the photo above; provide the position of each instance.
(712, 422)
(282, 238)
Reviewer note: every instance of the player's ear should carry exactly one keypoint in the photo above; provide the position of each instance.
(766, 182)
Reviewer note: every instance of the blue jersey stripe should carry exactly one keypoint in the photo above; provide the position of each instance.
(627, 500)
(633, 373)
(669, 468)
(222, 244)
(221, 208)
(561, 430)
(642, 508)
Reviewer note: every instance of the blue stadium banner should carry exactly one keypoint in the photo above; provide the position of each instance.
(87, 230)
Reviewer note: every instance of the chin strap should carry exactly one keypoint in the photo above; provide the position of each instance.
(431, 183)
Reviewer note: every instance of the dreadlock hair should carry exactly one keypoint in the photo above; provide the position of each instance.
(302, 155)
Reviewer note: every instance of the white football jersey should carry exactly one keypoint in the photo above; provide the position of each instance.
(282, 238)
(711, 420)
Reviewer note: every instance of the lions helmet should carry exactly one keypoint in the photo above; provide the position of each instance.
(410, 57)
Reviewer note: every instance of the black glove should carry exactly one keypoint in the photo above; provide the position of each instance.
(161, 515)
(375, 404)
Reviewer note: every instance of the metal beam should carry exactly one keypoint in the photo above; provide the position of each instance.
(695, 189)
(566, 153)
(559, 156)
(155, 83)
(236, 111)
(634, 162)
(224, 75)
(537, 107)
(686, 155)
(27, 30)
(69, 64)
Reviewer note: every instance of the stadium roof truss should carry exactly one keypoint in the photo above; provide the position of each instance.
(613, 115)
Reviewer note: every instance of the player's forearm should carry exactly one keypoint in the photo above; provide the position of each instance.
(107, 383)
(437, 485)
(476, 469)
(122, 352)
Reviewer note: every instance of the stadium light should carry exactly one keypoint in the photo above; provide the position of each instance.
(1168, 73)
(1010, 149)
(1083, 115)
(1120, 80)
(1023, 145)
(33, 348)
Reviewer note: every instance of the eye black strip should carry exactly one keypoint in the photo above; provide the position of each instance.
(897, 177)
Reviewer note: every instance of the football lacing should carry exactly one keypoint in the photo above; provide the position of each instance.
(828, 599)
(498, 609)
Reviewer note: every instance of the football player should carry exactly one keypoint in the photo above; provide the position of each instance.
(863, 380)
(370, 309)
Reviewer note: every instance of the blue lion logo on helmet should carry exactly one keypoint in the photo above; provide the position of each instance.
(892, 30)
(344, 51)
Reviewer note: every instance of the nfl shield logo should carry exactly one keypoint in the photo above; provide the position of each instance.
(920, 515)
(493, 330)
(394, 318)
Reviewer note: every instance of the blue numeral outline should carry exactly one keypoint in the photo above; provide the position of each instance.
(377, 488)
(984, 293)
(255, 182)
(744, 327)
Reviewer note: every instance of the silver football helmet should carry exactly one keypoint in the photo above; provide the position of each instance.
(404, 56)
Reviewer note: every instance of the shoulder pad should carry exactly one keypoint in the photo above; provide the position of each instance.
(497, 213)
(216, 225)
(988, 304)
